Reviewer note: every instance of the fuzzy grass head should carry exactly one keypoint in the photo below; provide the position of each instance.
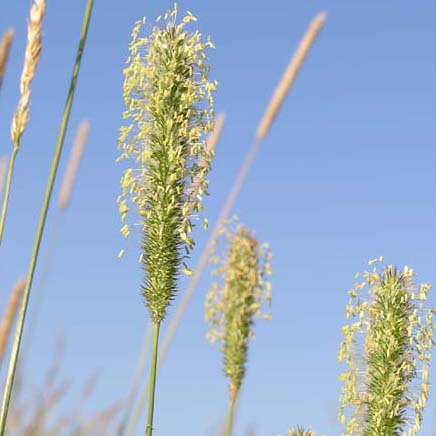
(387, 349)
(31, 59)
(238, 298)
(169, 112)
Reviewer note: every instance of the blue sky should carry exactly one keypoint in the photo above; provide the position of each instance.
(346, 174)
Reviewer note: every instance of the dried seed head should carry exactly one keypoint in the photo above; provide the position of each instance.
(289, 76)
(31, 58)
(387, 349)
(73, 165)
(169, 111)
(238, 298)
(5, 46)
(9, 315)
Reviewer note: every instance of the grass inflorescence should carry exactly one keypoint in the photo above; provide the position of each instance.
(235, 301)
(169, 109)
(387, 349)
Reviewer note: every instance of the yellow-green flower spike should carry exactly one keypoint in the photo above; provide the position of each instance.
(387, 349)
(238, 298)
(169, 111)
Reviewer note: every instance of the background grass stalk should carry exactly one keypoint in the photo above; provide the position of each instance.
(42, 219)
(152, 382)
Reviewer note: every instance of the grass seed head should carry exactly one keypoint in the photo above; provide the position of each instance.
(169, 112)
(9, 315)
(238, 298)
(5, 47)
(387, 349)
(73, 165)
(31, 59)
(289, 76)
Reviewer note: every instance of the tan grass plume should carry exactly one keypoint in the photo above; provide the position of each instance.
(73, 165)
(31, 58)
(5, 47)
(9, 315)
(289, 76)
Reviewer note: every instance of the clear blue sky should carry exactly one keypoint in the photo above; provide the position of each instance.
(347, 174)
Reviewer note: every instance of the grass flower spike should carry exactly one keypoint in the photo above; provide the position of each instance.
(387, 349)
(169, 112)
(234, 303)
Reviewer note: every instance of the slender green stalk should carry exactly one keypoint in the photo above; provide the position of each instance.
(230, 416)
(42, 219)
(152, 382)
(7, 191)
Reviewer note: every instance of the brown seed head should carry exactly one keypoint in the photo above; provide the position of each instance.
(5, 46)
(31, 58)
(289, 76)
(73, 165)
(9, 315)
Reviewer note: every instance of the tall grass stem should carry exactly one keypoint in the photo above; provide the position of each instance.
(42, 219)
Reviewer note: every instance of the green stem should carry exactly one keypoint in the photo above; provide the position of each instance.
(152, 382)
(7, 190)
(42, 219)
(230, 416)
